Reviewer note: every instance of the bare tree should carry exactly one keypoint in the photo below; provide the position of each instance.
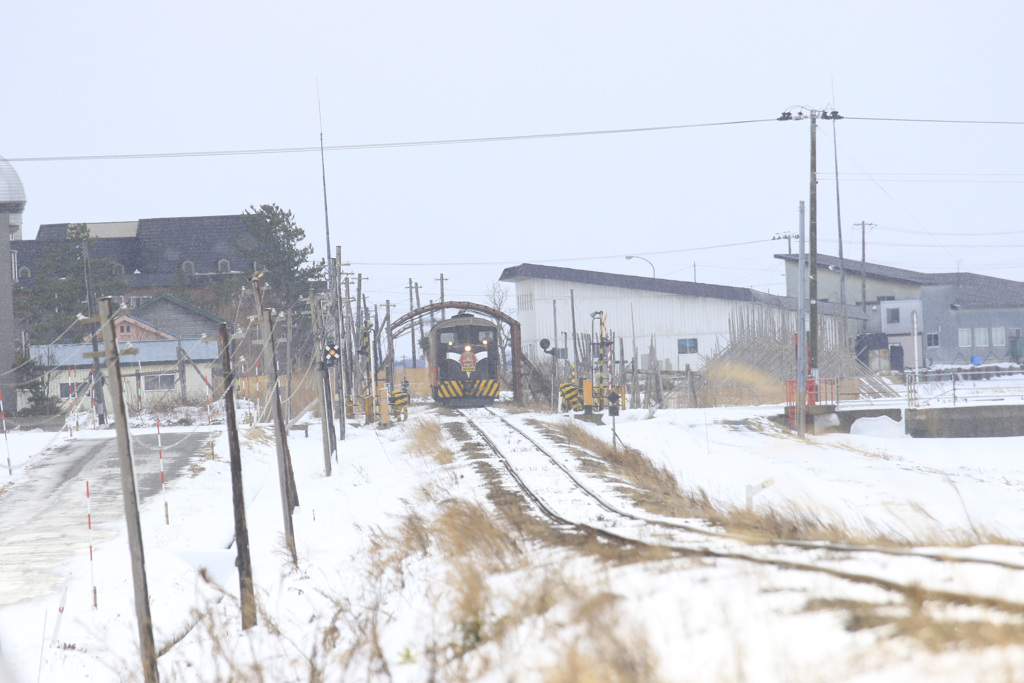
(500, 298)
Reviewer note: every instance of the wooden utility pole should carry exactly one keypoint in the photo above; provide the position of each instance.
(147, 646)
(412, 328)
(288, 357)
(441, 280)
(339, 331)
(289, 498)
(324, 382)
(389, 371)
(181, 372)
(248, 599)
(417, 306)
(812, 294)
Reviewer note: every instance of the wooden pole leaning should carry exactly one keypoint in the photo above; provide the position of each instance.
(147, 647)
(248, 598)
(288, 500)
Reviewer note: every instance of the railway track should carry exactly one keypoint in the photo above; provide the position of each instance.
(546, 474)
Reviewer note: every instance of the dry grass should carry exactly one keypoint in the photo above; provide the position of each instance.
(936, 626)
(656, 490)
(426, 439)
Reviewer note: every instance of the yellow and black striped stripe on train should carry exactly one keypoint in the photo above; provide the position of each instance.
(471, 388)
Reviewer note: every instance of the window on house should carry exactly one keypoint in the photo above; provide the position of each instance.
(124, 329)
(886, 298)
(71, 389)
(931, 340)
(963, 337)
(892, 315)
(998, 336)
(688, 345)
(24, 273)
(189, 268)
(117, 269)
(1014, 333)
(980, 336)
(525, 302)
(223, 266)
(158, 382)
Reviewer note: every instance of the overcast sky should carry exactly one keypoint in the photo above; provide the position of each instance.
(110, 78)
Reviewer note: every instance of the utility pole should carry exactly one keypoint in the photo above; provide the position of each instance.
(442, 279)
(101, 404)
(288, 356)
(147, 646)
(289, 501)
(554, 357)
(863, 264)
(244, 563)
(801, 337)
(324, 383)
(417, 306)
(339, 332)
(412, 328)
(813, 229)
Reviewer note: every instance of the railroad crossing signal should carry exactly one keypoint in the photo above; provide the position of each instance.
(331, 354)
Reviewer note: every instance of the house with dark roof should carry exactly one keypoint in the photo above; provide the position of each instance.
(687, 320)
(151, 253)
(927, 318)
(178, 318)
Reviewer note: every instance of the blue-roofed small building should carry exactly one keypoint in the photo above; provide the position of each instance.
(152, 374)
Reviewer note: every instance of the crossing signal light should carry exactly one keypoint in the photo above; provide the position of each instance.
(331, 354)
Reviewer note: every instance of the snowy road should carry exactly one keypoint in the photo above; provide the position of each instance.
(43, 518)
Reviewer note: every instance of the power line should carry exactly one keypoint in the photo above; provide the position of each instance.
(964, 121)
(382, 145)
(562, 260)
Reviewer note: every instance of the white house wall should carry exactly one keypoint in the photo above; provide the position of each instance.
(669, 317)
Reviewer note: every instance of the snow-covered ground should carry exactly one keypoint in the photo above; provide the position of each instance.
(384, 589)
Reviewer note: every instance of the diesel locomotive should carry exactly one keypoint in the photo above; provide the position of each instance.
(464, 361)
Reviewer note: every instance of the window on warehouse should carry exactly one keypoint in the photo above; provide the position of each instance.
(69, 389)
(159, 382)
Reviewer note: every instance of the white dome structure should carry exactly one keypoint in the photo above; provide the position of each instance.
(12, 192)
(12, 198)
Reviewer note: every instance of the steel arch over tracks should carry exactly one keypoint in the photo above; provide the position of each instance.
(403, 325)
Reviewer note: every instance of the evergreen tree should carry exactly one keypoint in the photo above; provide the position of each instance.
(57, 293)
(272, 242)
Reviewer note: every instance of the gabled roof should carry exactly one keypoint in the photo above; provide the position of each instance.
(123, 315)
(676, 287)
(970, 290)
(141, 310)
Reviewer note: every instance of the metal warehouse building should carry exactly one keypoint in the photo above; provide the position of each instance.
(689, 321)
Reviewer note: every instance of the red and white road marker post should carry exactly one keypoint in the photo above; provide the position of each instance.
(163, 484)
(7, 444)
(92, 570)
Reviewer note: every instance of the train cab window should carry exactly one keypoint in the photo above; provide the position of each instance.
(485, 336)
(447, 337)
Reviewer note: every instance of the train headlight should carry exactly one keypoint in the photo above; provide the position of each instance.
(485, 342)
(468, 347)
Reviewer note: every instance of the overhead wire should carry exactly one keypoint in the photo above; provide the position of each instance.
(384, 145)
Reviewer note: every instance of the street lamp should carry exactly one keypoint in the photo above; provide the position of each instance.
(648, 263)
